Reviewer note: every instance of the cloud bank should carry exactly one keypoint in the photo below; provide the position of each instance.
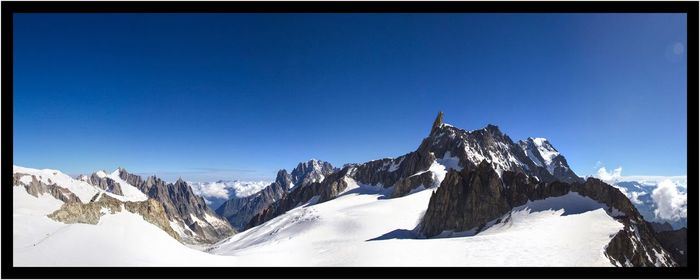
(671, 204)
(609, 177)
(226, 189)
(668, 194)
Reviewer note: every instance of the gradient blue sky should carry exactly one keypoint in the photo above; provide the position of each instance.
(239, 96)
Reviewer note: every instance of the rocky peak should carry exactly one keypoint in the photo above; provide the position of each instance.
(132, 179)
(284, 179)
(310, 172)
(437, 123)
(100, 180)
(493, 129)
(183, 207)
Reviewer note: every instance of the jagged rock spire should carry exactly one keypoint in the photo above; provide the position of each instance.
(437, 123)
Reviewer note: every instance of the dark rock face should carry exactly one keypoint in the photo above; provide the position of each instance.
(239, 211)
(405, 185)
(676, 243)
(36, 188)
(323, 191)
(183, 207)
(465, 200)
(104, 183)
(475, 197)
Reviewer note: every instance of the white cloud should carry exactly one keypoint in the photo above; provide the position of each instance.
(633, 196)
(609, 177)
(671, 204)
(210, 190)
(680, 181)
(669, 196)
(226, 189)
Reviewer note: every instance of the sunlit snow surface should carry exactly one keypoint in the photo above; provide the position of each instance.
(362, 227)
(122, 239)
(363, 230)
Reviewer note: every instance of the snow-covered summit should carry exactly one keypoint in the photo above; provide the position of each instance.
(310, 171)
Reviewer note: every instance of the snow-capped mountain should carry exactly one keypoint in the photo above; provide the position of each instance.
(447, 147)
(310, 172)
(482, 166)
(462, 198)
(240, 210)
(185, 215)
(543, 154)
(188, 213)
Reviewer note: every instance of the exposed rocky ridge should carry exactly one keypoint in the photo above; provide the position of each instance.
(556, 166)
(444, 144)
(182, 206)
(105, 183)
(325, 190)
(311, 171)
(676, 243)
(476, 196)
(241, 211)
(448, 143)
(36, 187)
(90, 213)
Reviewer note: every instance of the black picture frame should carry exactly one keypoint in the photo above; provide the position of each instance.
(13, 7)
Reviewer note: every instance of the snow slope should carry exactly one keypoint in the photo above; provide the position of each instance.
(130, 192)
(360, 229)
(122, 239)
(82, 189)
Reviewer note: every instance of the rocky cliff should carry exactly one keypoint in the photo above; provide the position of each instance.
(196, 221)
(90, 213)
(240, 210)
(476, 197)
(36, 187)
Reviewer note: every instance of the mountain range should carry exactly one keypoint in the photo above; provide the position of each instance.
(461, 198)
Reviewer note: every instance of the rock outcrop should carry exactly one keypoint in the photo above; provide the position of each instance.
(303, 193)
(294, 186)
(90, 213)
(240, 210)
(475, 197)
(105, 183)
(183, 207)
(465, 200)
(36, 187)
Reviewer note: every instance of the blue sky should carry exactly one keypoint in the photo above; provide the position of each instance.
(239, 96)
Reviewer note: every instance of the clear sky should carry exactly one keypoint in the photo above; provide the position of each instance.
(239, 96)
